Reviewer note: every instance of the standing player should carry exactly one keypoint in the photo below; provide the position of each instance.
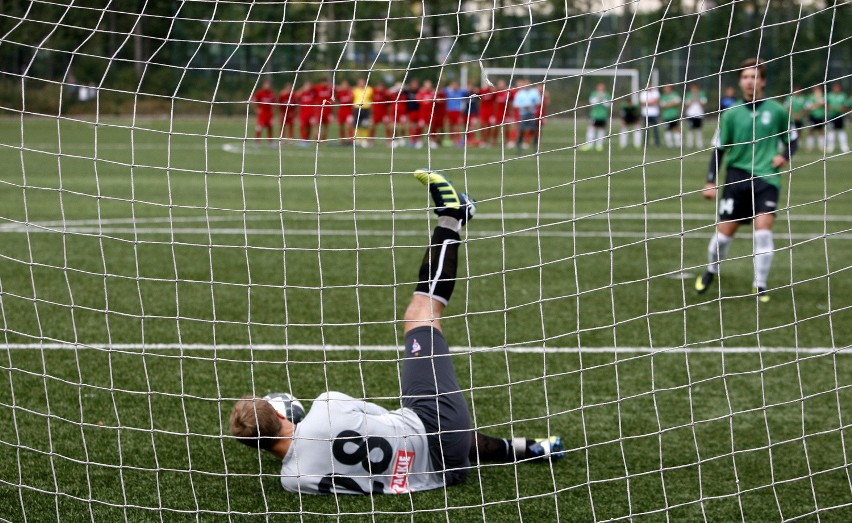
(748, 138)
(816, 113)
(398, 101)
(838, 104)
(797, 103)
(695, 102)
(649, 101)
(324, 96)
(307, 99)
(412, 108)
(670, 104)
(362, 99)
(729, 99)
(345, 118)
(599, 104)
(346, 445)
(264, 100)
(526, 103)
(487, 119)
(471, 112)
(288, 111)
(502, 110)
(455, 106)
(629, 124)
(425, 99)
(379, 110)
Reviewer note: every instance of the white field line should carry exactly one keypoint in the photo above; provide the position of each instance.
(137, 347)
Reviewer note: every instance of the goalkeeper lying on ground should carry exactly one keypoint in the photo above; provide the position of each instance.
(349, 446)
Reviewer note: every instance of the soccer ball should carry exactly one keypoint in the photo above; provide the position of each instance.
(286, 405)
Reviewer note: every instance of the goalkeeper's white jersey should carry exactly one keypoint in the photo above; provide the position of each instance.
(350, 446)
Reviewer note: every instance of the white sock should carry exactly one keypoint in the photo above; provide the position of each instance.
(699, 139)
(590, 135)
(763, 252)
(668, 137)
(821, 141)
(717, 251)
(637, 138)
(844, 141)
(830, 139)
(677, 139)
(690, 139)
(599, 141)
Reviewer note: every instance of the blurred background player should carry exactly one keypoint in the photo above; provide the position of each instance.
(695, 102)
(398, 104)
(471, 112)
(649, 103)
(599, 104)
(816, 113)
(629, 124)
(748, 140)
(362, 100)
(306, 98)
(425, 107)
(428, 443)
(670, 104)
(542, 108)
(322, 114)
(264, 100)
(797, 103)
(288, 112)
(527, 101)
(455, 107)
(412, 110)
(502, 108)
(487, 116)
(838, 105)
(345, 117)
(437, 130)
(379, 110)
(729, 99)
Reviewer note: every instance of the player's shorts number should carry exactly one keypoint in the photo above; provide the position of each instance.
(352, 448)
(726, 206)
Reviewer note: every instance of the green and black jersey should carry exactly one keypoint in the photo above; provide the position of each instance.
(749, 135)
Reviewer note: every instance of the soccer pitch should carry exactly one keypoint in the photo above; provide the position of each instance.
(214, 268)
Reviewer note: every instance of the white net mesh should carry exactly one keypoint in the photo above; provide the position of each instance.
(164, 252)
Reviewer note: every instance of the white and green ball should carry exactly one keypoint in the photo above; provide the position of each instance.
(286, 405)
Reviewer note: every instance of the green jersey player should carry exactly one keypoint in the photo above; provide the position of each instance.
(815, 105)
(346, 445)
(670, 103)
(599, 105)
(748, 139)
(838, 104)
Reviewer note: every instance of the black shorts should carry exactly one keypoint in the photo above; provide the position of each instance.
(695, 122)
(362, 116)
(599, 124)
(744, 197)
(528, 122)
(672, 124)
(817, 123)
(430, 388)
(837, 123)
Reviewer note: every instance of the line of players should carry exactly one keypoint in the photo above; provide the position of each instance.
(821, 114)
(411, 115)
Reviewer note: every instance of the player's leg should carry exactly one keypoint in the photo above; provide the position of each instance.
(717, 250)
(765, 203)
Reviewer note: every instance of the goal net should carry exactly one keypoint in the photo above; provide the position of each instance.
(196, 205)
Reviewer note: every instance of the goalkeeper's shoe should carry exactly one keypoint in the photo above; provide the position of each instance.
(448, 201)
(702, 283)
(543, 449)
(762, 295)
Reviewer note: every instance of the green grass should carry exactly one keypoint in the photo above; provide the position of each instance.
(149, 234)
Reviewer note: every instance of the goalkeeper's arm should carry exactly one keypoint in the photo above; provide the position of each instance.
(709, 191)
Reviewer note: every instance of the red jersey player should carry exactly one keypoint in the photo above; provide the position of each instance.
(487, 116)
(343, 93)
(322, 114)
(380, 109)
(264, 98)
(288, 111)
(306, 98)
(439, 118)
(399, 117)
(426, 100)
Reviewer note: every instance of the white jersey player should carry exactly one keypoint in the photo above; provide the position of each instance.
(346, 445)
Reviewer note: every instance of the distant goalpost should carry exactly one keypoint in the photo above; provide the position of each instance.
(166, 248)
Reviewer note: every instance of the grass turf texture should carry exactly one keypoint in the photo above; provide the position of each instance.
(169, 237)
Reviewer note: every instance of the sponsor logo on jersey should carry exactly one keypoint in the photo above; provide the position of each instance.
(401, 467)
(415, 347)
(770, 203)
(766, 118)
